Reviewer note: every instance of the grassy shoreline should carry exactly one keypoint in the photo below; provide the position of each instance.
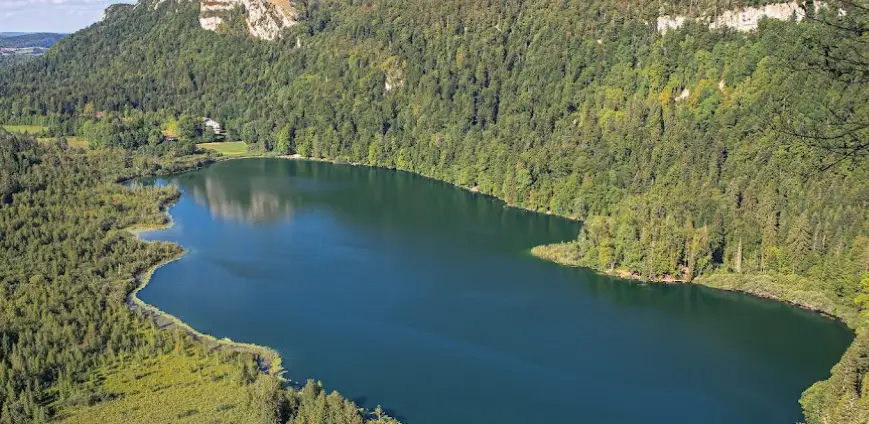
(822, 401)
(269, 359)
(829, 308)
(825, 401)
(809, 300)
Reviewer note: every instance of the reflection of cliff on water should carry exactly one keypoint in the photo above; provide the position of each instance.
(241, 200)
(458, 298)
(267, 190)
(389, 204)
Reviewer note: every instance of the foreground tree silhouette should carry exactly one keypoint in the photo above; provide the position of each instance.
(836, 50)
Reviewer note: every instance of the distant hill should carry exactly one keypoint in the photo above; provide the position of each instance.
(21, 40)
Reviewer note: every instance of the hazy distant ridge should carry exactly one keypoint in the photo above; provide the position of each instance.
(15, 40)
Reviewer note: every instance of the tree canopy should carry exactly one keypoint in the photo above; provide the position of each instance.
(685, 154)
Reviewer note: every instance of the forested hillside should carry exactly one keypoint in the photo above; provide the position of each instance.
(685, 154)
(573, 108)
(70, 349)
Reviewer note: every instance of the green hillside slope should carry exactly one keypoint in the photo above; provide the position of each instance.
(681, 152)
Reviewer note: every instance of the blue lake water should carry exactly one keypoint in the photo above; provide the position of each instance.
(407, 292)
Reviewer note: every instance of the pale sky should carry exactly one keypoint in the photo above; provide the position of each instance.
(51, 15)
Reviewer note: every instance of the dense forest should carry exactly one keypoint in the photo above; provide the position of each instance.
(67, 266)
(573, 109)
(689, 154)
(14, 59)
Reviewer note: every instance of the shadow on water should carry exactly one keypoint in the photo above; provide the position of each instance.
(362, 401)
(392, 413)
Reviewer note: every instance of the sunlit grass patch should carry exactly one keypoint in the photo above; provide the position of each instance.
(226, 147)
(76, 142)
(30, 129)
(172, 388)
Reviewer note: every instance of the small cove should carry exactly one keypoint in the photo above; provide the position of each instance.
(408, 292)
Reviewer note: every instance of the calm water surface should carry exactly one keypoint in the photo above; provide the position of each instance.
(407, 292)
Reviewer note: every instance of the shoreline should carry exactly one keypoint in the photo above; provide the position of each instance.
(268, 359)
(847, 318)
(473, 190)
(717, 281)
(771, 287)
(844, 317)
(750, 285)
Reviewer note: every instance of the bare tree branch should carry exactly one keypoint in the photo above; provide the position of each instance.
(836, 51)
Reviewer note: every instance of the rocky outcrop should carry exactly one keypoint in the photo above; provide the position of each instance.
(264, 19)
(393, 68)
(743, 20)
(115, 9)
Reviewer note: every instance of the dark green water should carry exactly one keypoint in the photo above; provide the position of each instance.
(407, 292)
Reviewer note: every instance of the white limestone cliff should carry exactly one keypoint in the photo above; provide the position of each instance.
(743, 20)
(265, 19)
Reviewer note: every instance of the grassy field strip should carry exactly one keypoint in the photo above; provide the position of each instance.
(30, 129)
(176, 388)
(76, 142)
(228, 148)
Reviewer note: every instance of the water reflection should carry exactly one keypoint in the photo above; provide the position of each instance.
(243, 200)
(406, 292)
(269, 191)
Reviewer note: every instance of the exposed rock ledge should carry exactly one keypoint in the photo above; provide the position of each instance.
(265, 19)
(743, 20)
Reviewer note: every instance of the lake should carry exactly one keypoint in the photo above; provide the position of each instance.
(407, 292)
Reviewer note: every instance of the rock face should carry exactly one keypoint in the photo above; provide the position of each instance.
(115, 9)
(744, 20)
(265, 19)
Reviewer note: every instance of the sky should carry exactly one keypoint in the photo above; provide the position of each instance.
(51, 15)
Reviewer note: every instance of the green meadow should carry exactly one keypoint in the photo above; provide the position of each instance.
(77, 142)
(169, 388)
(29, 129)
(228, 148)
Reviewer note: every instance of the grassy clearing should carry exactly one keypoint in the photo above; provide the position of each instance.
(228, 148)
(171, 388)
(29, 129)
(561, 253)
(76, 142)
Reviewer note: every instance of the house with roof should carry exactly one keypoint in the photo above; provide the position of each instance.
(214, 125)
